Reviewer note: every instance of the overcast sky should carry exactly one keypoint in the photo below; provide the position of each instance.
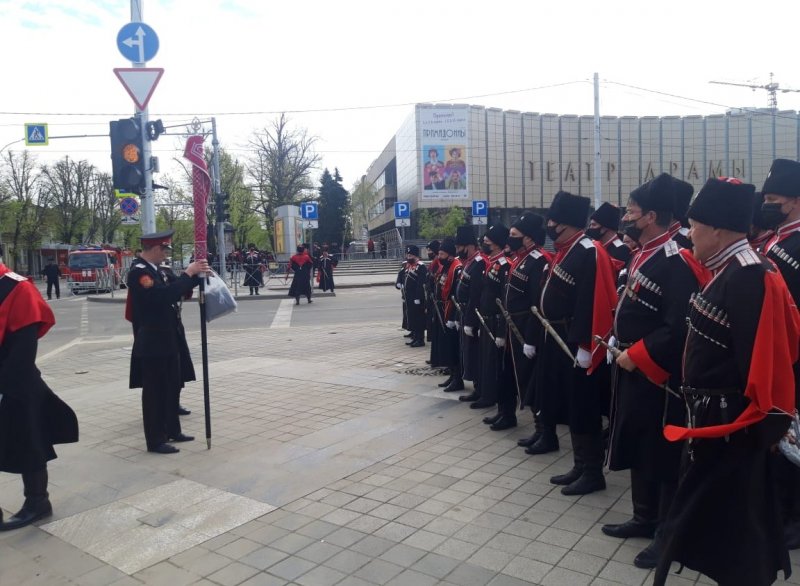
(245, 60)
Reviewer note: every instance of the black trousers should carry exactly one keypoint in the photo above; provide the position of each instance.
(50, 285)
(161, 388)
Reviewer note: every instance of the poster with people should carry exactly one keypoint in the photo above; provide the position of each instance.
(444, 153)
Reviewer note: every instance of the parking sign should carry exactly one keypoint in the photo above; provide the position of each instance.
(309, 210)
(480, 208)
(402, 209)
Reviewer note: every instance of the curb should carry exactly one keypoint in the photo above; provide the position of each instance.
(272, 296)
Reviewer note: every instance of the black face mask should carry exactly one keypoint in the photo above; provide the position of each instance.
(552, 233)
(514, 242)
(462, 255)
(594, 233)
(446, 263)
(508, 253)
(486, 248)
(772, 216)
(631, 230)
(431, 256)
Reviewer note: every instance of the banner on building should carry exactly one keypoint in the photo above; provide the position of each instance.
(444, 153)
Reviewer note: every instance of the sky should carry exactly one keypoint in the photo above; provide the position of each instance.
(350, 71)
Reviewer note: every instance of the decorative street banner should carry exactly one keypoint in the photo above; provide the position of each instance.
(201, 186)
(444, 153)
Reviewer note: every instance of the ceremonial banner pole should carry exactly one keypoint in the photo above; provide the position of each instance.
(201, 185)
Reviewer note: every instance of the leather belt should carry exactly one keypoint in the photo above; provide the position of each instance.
(686, 390)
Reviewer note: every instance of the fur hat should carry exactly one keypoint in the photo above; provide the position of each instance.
(434, 246)
(607, 215)
(724, 203)
(532, 226)
(657, 195)
(413, 250)
(683, 197)
(497, 234)
(783, 178)
(465, 235)
(569, 209)
(449, 246)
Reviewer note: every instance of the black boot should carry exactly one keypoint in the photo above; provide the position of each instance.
(647, 559)
(251, 290)
(503, 423)
(417, 343)
(575, 473)
(447, 382)
(547, 442)
(491, 419)
(473, 396)
(457, 384)
(527, 442)
(297, 301)
(645, 500)
(37, 502)
(590, 446)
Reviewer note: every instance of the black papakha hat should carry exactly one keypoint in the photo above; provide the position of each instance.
(569, 209)
(449, 246)
(783, 178)
(497, 234)
(532, 226)
(434, 246)
(725, 203)
(607, 215)
(657, 195)
(683, 197)
(413, 250)
(465, 235)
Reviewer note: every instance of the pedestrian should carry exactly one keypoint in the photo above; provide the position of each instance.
(650, 330)
(434, 326)
(445, 287)
(253, 278)
(400, 284)
(578, 300)
(371, 247)
(53, 275)
(325, 265)
(384, 247)
(414, 279)
(32, 417)
(739, 388)
(160, 361)
(467, 298)
(300, 264)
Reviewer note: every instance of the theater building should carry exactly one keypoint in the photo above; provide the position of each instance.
(449, 155)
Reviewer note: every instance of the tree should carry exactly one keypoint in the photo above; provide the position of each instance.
(65, 188)
(104, 214)
(334, 208)
(19, 188)
(362, 198)
(281, 166)
(440, 223)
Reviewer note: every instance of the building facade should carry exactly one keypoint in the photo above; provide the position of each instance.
(449, 155)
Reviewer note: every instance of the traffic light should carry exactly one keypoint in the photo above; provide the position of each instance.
(224, 207)
(127, 155)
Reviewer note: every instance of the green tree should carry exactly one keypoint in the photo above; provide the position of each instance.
(440, 223)
(334, 208)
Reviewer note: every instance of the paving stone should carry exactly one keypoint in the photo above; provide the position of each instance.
(582, 562)
(564, 577)
(456, 548)
(268, 534)
(233, 574)
(165, 574)
(435, 565)
(319, 552)
(320, 576)
(317, 529)
(412, 578)
(471, 575)
(394, 531)
(423, 539)
(292, 543)
(378, 571)
(291, 568)
(239, 548)
(491, 559)
(348, 561)
(527, 569)
(623, 573)
(345, 537)
(264, 557)
(204, 564)
(559, 537)
(509, 543)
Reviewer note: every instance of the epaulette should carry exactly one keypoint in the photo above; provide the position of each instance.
(684, 232)
(748, 257)
(15, 276)
(617, 242)
(139, 265)
(502, 260)
(671, 248)
(535, 254)
(478, 258)
(586, 242)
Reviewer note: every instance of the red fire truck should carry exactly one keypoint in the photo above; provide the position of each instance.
(96, 269)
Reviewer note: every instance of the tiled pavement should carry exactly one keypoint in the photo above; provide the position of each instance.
(370, 475)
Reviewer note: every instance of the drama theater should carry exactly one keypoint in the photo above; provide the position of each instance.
(449, 155)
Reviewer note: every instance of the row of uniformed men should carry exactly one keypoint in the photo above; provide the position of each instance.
(703, 345)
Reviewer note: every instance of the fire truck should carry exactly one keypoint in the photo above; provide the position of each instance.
(96, 269)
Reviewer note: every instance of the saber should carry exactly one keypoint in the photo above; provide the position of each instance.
(436, 308)
(615, 352)
(458, 307)
(485, 326)
(512, 326)
(554, 334)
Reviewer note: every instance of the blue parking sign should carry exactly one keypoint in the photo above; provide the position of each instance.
(402, 209)
(309, 210)
(480, 208)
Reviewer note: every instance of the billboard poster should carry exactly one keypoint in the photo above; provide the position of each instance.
(444, 153)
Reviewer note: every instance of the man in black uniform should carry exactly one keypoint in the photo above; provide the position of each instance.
(157, 364)
(435, 329)
(325, 265)
(744, 333)
(53, 275)
(604, 227)
(468, 294)
(650, 329)
(492, 342)
(399, 283)
(781, 212)
(252, 271)
(578, 300)
(414, 278)
(523, 290)
(445, 287)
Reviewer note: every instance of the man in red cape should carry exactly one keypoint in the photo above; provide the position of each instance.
(32, 417)
(739, 389)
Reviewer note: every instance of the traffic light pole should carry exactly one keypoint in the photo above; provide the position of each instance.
(148, 215)
(217, 197)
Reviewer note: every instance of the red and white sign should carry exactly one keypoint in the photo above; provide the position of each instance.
(140, 82)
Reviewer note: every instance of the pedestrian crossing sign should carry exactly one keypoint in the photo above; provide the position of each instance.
(36, 134)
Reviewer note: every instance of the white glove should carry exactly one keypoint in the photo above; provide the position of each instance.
(612, 341)
(398, 285)
(500, 342)
(458, 325)
(416, 301)
(529, 351)
(469, 331)
(584, 358)
(451, 324)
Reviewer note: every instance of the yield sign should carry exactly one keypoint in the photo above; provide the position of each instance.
(140, 82)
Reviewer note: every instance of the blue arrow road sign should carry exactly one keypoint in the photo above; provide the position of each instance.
(402, 209)
(137, 42)
(309, 210)
(480, 208)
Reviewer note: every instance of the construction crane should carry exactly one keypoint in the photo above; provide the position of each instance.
(772, 87)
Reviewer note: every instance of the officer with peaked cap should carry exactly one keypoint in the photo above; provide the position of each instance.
(159, 358)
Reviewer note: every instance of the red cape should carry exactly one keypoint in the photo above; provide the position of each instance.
(605, 301)
(24, 306)
(448, 287)
(770, 382)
